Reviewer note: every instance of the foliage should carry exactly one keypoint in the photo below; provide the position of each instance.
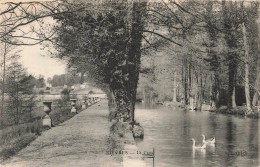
(37, 82)
(65, 94)
(201, 40)
(68, 79)
(19, 94)
(210, 61)
(102, 45)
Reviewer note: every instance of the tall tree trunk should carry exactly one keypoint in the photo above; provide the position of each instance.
(215, 90)
(213, 58)
(234, 105)
(185, 82)
(232, 82)
(174, 98)
(257, 83)
(210, 90)
(144, 98)
(246, 60)
(257, 89)
(111, 98)
(231, 38)
(81, 77)
(134, 53)
(125, 89)
(3, 84)
(122, 105)
(201, 89)
(190, 82)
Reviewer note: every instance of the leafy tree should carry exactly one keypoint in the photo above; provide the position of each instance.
(106, 45)
(19, 89)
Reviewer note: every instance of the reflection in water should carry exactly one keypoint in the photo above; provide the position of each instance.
(170, 131)
(200, 153)
(253, 138)
(186, 124)
(230, 137)
(213, 123)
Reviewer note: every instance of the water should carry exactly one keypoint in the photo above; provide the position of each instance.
(169, 131)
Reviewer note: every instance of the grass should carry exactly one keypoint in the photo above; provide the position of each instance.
(16, 145)
(16, 131)
(14, 138)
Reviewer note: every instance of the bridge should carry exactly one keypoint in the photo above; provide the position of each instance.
(45, 103)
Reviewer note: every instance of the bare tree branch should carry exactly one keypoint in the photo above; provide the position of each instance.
(162, 36)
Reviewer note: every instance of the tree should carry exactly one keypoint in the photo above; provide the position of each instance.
(204, 65)
(14, 76)
(107, 45)
(246, 60)
(19, 89)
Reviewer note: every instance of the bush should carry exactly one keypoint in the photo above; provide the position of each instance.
(65, 94)
(91, 92)
(78, 105)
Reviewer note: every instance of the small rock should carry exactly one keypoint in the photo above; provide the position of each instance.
(138, 131)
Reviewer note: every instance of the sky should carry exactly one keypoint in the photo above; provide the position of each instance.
(39, 62)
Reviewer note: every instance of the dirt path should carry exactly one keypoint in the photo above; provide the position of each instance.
(80, 142)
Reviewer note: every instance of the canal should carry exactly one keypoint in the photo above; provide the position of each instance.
(169, 131)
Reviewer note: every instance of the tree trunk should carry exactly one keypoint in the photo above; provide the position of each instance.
(212, 102)
(246, 47)
(213, 58)
(256, 94)
(134, 53)
(185, 71)
(232, 40)
(144, 99)
(81, 77)
(111, 98)
(215, 90)
(174, 98)
(231, 84)
(201, 89)
(234, 105)
(3, 84)
(257, 84)
(125, 89)
(190, 81)
(122, 105)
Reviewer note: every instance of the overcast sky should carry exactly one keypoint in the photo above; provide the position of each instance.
(38, 62)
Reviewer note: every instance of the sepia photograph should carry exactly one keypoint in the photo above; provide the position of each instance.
(129, 83)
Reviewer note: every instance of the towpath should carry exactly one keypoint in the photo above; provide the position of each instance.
(80, 141)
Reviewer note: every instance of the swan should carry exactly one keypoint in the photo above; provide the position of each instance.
(208, 141)
(200, 146)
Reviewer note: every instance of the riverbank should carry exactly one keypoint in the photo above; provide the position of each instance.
(239, 110)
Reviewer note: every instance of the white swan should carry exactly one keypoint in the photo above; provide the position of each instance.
(200, 146)
(208, 141)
